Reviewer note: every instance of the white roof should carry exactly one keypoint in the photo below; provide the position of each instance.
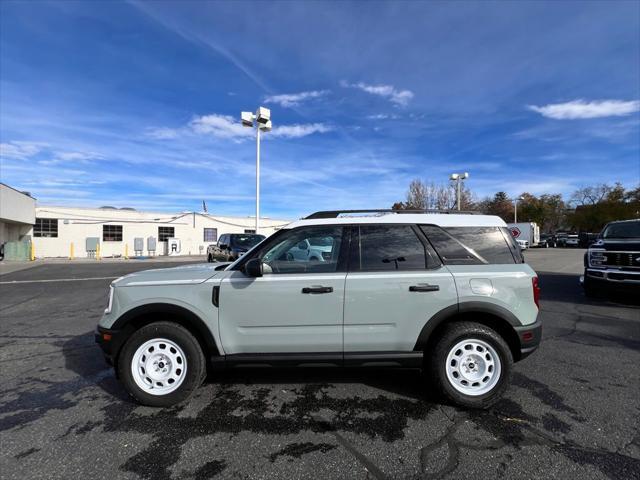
(440, 219)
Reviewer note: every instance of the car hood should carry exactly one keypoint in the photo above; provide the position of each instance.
(183, 275)
(619, 245)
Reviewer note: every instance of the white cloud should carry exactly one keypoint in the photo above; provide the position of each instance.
(162, 133)
(220, 126)
(582, 109)
(294, 99)
(60, 158)
(20, 150)
(302, 130)
(382, 116)
(226, 127)
(399, 97)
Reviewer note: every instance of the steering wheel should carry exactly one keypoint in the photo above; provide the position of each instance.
(289, 257)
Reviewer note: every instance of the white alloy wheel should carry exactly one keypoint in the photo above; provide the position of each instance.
(159, 366)
(473, 367)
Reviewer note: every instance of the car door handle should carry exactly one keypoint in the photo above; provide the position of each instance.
(317, 290)
(424, 287)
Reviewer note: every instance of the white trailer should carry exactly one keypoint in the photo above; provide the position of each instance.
(526, 231)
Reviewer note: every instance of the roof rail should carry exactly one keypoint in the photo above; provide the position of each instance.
(337, 213)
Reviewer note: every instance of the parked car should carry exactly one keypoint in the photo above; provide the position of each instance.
(523, 244)
(547, 240)
(449, 293)
(572, 241)
(232, 246)
(586, 239)
(561, 239)
(613, 261)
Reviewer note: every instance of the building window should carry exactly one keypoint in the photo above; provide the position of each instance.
(46, 227)
(165, 233)
(249, 230)
(210, 234)
(112, 233)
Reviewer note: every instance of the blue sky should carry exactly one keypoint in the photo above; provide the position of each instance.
(137, 104)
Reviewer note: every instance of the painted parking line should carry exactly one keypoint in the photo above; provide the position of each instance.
(15, 282)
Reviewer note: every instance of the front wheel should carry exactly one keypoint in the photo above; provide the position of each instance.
(470, 365)
(161, 364)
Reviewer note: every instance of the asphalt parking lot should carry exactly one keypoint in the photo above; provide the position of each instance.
(572, 411)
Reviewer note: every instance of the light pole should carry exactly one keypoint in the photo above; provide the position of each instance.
(458, 178)
(262, 121)
(515, 209)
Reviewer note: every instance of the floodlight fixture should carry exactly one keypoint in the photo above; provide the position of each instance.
(247, 119)
(263, 115)
(458, 178)
(265, 127)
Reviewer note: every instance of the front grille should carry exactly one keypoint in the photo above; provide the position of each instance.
(623, 259)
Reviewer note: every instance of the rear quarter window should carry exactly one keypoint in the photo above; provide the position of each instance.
(473, 245)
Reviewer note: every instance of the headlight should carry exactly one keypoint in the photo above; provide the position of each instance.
(597, 258)
(110, 302)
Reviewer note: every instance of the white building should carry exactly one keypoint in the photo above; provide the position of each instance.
(17, 214)
(17, 217)
(56, 228)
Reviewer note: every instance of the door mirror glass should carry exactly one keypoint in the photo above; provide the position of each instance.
(253, 268)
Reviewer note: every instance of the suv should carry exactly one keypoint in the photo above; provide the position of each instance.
(232, 246)
(445, 292)
(614, 259)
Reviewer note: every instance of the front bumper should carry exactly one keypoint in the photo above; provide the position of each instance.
(530, 337)
(614, 276)
(110, 341)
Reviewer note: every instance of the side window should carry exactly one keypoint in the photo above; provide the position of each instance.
(304, 250)
(470, 245)
(387, 247)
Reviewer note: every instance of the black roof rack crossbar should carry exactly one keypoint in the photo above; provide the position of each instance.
(337, 213)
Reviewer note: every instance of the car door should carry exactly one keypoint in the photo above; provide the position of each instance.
(295, 307)
(395, 284)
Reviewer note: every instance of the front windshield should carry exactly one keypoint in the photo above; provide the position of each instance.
(622, 230)
(246, 241)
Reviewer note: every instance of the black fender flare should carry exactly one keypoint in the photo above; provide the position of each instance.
(464, 307)
(181, 315)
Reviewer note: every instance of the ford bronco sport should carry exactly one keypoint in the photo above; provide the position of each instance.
(448, 293)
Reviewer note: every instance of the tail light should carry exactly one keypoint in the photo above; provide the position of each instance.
(536, 291)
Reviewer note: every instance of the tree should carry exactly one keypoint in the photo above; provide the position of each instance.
(431, 196)
(547, 211)
(499, 205)
(600, 204)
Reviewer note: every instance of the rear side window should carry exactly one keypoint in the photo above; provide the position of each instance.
(378, 248)
(470, 245)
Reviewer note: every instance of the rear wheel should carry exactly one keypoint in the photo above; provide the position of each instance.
(161, 364)
(470, 365)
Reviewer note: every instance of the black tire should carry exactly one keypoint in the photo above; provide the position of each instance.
(195, 363)
(437, 358)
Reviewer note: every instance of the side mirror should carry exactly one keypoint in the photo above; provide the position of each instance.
(253, 268)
